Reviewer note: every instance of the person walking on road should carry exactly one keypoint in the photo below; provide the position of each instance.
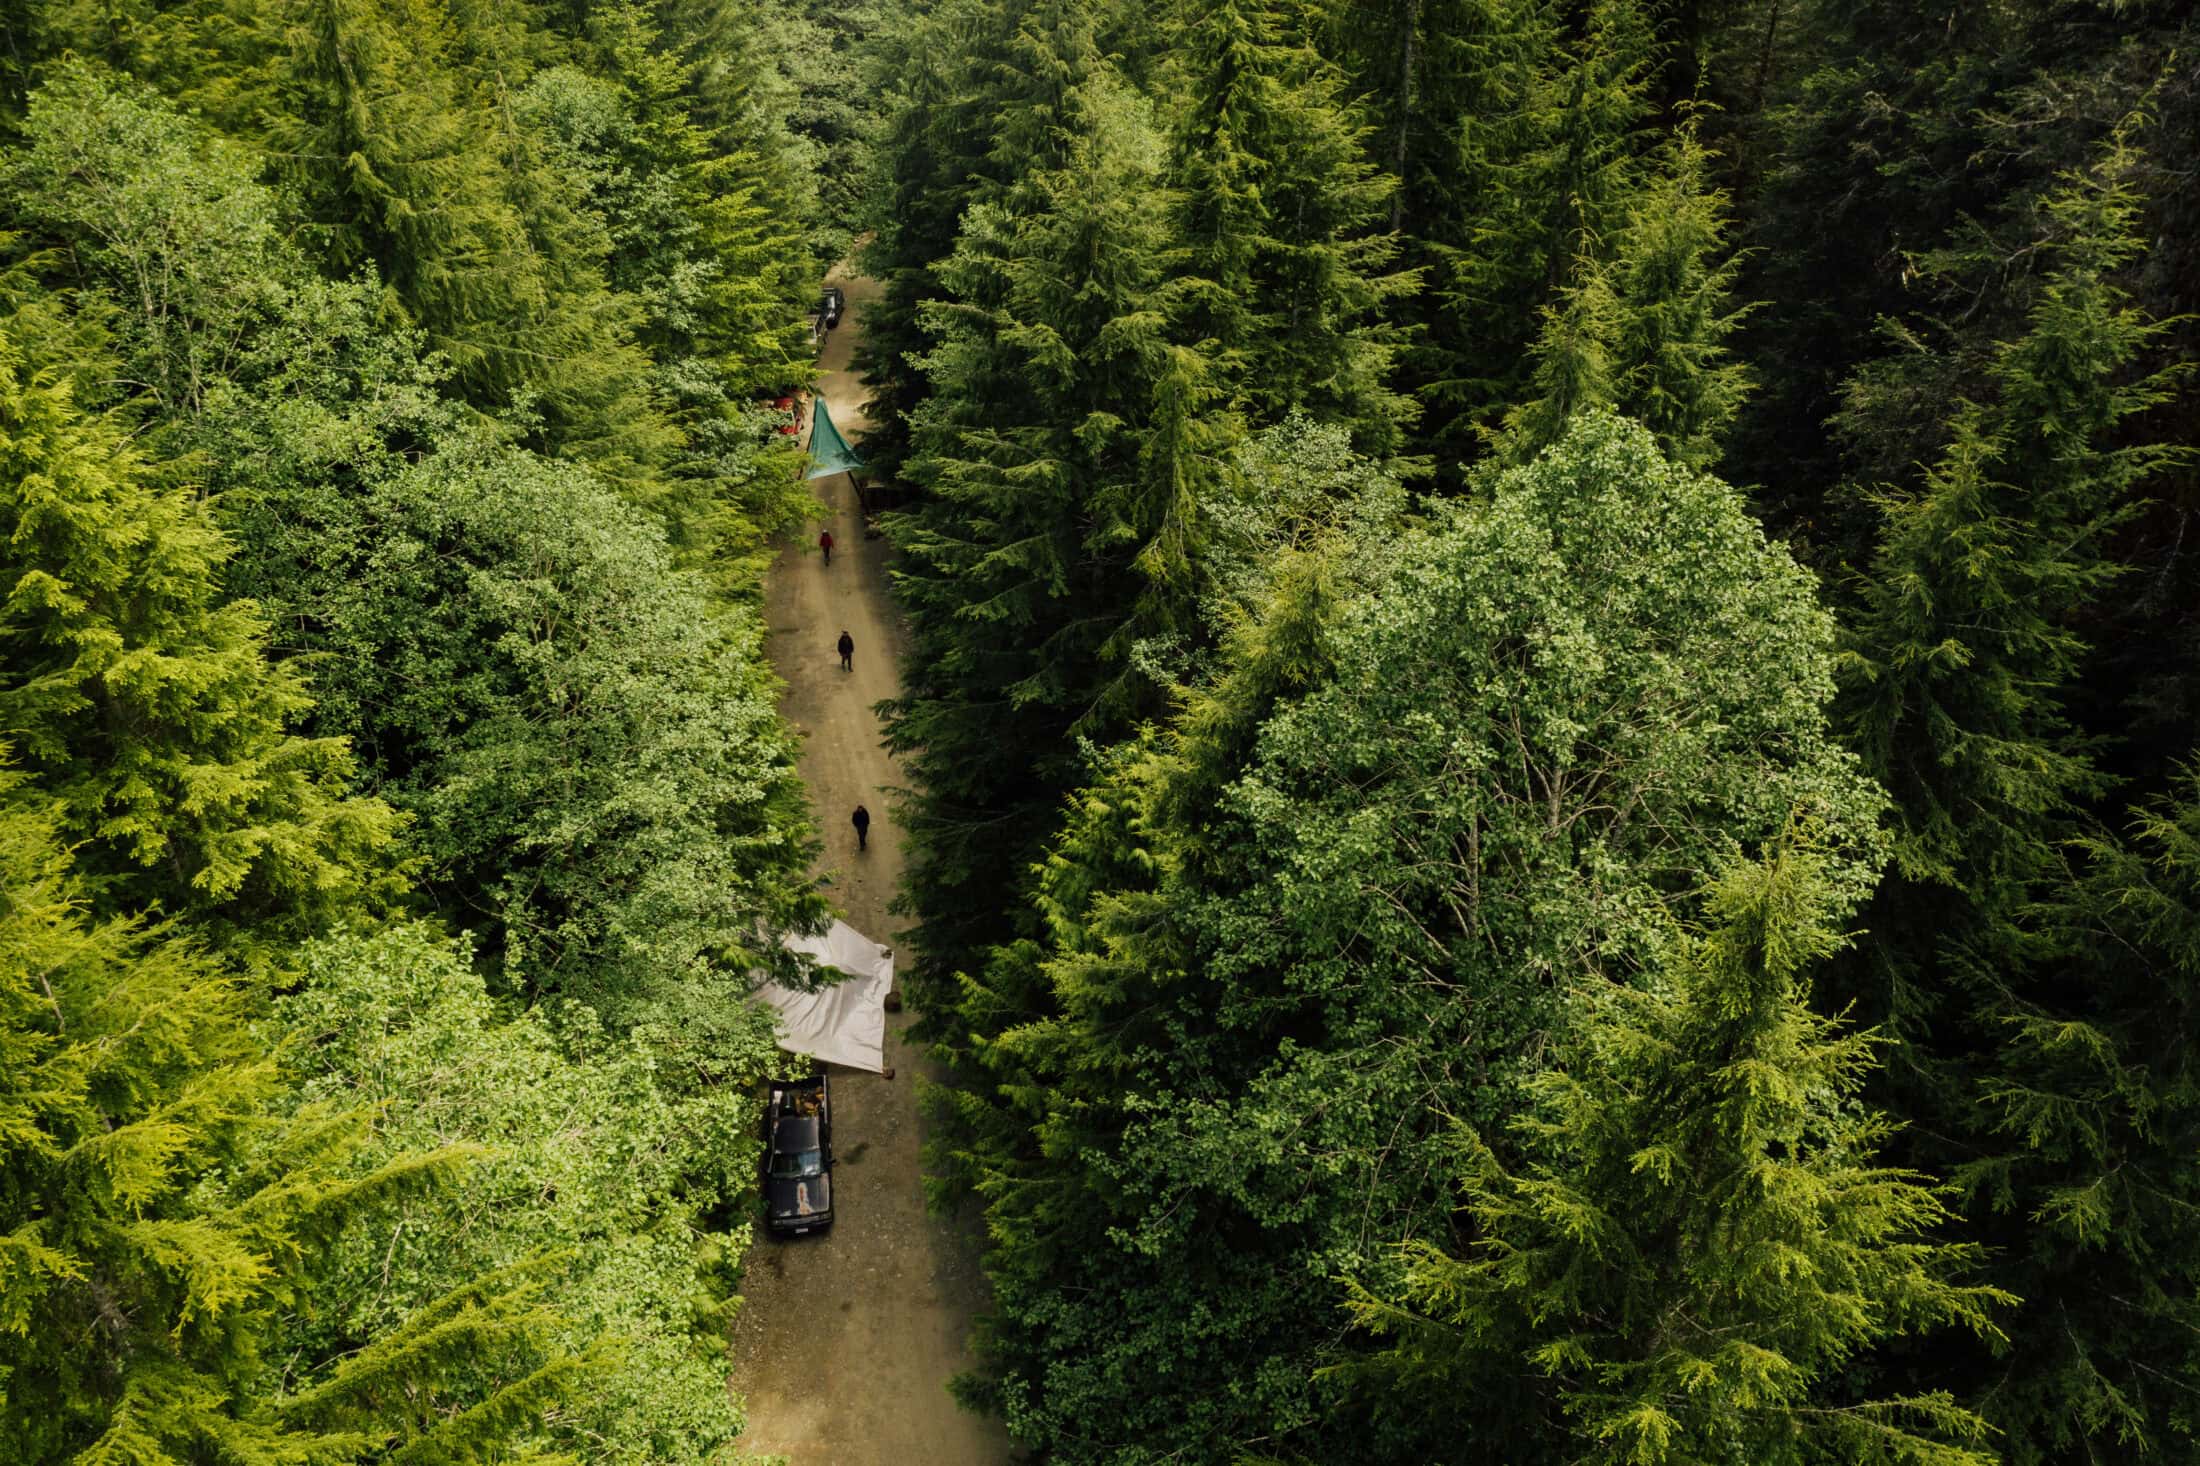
(825, 543)
(861, 819)
(847, 652)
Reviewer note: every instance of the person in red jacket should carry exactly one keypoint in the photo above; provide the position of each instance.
(825, 543)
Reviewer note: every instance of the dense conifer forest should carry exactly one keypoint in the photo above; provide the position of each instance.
(1551, 731)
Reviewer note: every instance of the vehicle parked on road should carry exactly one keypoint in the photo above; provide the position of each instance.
(830, 303)
(798, 1156)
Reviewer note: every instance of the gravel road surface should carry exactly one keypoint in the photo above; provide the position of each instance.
(846, 1342)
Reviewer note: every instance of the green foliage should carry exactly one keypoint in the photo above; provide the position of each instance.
(1280, 209)
(1988, 608)
(2088, 1111)
(429, 339)
(719, 280)
(1516, 129)
(593, 1188)
(1441, 774)
(591, 756)
(161, 1210)
(1699, 1236)
(125, 1301)
(1070, 449)
(166, 216)
(411, 161)
(1644, 333)
(145, 703)
(933, 67)
(1967, 639)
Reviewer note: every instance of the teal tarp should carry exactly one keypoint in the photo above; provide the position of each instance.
(828, 449)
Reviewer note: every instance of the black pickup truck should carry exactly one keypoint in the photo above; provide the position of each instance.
(798, 1156)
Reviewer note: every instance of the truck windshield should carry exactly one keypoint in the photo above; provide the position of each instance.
(793, 1164)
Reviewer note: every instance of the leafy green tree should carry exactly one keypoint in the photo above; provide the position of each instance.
(160, 215)
(146, 703)
(593, 1186)
(1439, 777)
(598, 778)
(831, 49)
(1699, 1237)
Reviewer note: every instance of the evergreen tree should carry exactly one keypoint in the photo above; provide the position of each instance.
(160, 1214)
(2089, 1116)
(1644, 332)
(1546, 182)
(1280, 213)
(1965, 644)
(145, 703)
(987, 101)
(1676, 280)
(398, 129)
(1700, 1237)
(1965, 658)
(718, 276)
(1068, 451)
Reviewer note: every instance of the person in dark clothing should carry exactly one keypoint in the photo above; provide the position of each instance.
(825, 543)
(847, 652)
(861, 819)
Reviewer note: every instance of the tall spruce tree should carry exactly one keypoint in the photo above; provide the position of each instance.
(1644, 331)
(935, 163)
(1289, 278)
(1700, 1236)
(1962, 653)
(1065, 451)
(2088, 1114)
(1547, 182)
(162, 1208)
(398, 129)
(1964, 663)
(146, 703)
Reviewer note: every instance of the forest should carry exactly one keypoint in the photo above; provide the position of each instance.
(1551, 722)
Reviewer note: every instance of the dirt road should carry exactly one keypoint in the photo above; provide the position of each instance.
(846, 1342)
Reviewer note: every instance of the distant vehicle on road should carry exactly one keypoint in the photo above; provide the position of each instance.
(830, 303)
(798, 1156)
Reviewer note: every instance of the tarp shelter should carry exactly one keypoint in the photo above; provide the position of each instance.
(828, 447)
(845, 1023)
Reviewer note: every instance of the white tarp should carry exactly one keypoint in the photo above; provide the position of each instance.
(845, 1023)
